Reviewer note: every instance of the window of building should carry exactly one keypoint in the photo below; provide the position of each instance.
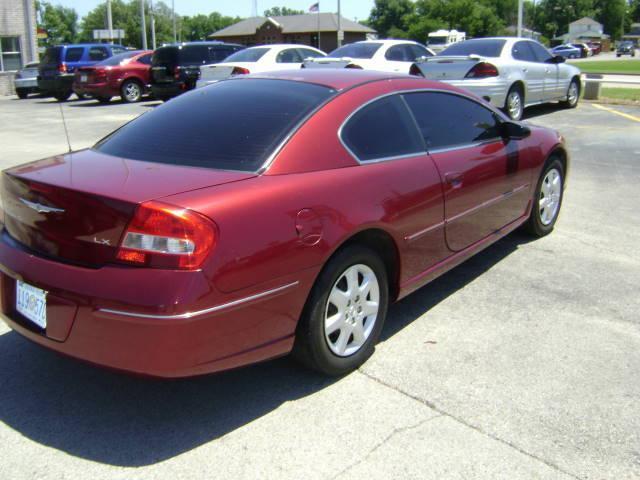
(10, 56)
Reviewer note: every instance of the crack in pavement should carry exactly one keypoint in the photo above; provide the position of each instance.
(461, 421)
(393, 433)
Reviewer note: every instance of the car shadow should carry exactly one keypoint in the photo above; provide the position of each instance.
(540, 110)
(128, 421)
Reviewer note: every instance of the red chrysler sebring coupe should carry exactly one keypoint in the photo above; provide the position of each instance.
(264, 215)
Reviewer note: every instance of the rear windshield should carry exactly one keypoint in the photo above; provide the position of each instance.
(250, 55)
(357, 50)
(51, 55)
(482, 47)
(231, 125)
(117, 59)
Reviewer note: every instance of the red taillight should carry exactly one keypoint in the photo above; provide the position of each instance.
(415, 70)
(354, 66)
(62, 68)
(240, 71)
(482, 70)
(176, 73)
(166, 236)
(99, 76)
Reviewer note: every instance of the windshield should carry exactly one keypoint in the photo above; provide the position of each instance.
(356, 50)
(231, 125)
(482, 47)
(249, 55)
(118, 59)
(437, 40)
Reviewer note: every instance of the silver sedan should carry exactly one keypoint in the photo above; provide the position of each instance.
(511, 73)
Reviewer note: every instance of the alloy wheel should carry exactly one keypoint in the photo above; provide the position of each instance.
(550, 194)
(514, 105)
(352, 310)
(572, 95)
(132, 92)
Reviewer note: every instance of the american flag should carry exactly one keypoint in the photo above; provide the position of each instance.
(314, 8)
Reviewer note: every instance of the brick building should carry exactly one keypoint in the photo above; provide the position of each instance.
(17, 39)
(302, 29)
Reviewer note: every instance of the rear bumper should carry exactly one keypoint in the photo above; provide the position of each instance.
(168, 90)
(58, 83)
(152, 322)
(26, 83)
(96, 89)
(494, 89)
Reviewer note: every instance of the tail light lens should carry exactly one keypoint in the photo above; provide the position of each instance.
(62, 68)
(415, 70)
(100, 76)
(166, 236)
(176, 73)
(240, 71)
(482, 70)
(353, 66)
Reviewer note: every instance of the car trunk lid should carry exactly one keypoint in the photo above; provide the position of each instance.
(446, 68)
(75, 207)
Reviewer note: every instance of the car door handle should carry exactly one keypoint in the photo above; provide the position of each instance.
(525, 70)
(454, 179)
(547, 70)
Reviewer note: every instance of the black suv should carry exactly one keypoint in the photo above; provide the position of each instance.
(175, 68)
(626, 48)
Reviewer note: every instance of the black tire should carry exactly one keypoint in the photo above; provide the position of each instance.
(311, 346)
(81, 96)
(514, 90)
(571, 101)
(618, 55)
(62, 96)
(534, 225)
(131, 91)
(103, 100)
(22, 93)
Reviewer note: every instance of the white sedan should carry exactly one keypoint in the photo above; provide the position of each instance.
(265, 58)
(383, 55)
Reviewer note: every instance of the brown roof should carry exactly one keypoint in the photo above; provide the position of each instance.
(293, 24)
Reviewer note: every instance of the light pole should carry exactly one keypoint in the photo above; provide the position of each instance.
(340, 33)
(109, 21)
(143, 25)
(520, 13)
(173, 14)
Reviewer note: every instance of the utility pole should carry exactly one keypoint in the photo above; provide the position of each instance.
(153, 25)
(340, 32)
(109, 21)
(520, 13)
(173, 14)
(143, 26)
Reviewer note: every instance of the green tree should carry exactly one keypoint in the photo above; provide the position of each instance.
(60, 23)
(634, 11)
(392, 17)
(611, 14)
(199, 27)
(282, 11)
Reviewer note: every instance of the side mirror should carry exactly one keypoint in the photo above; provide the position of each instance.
(557, 59)
(514, 131)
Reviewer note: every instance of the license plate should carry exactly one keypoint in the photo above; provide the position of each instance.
(83, 78)
(32, 303)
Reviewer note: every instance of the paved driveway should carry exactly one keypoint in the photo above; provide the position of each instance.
(524, 362)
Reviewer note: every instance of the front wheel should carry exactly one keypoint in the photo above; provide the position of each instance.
(547, 200)
(22, 93)
(62, 96)
(344, 314)
(514, 104)
(573, 95)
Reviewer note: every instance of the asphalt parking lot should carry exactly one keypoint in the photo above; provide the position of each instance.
(524, 362)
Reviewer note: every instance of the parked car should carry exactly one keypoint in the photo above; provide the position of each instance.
(511, 73)
(596, 48)
(382, 55)
(26, 80)
(567, 51)
(626, 48)
(265, 58)
(126, 75)
(175, 68)
(263, 215)
(585, 51)
(59, 63)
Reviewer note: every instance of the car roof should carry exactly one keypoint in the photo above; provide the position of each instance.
(90, 45)
(341, 78)
(392, 41)
(202, 42)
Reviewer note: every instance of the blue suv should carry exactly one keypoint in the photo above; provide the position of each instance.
(57, 67)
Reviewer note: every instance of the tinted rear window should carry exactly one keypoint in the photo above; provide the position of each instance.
(232, 125)
(117, 59)
(74, 54)
(357, 50)
(165, 56)
(482, 47)
(249, 55)
(51, 55)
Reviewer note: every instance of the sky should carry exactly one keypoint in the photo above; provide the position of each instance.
(352, 9)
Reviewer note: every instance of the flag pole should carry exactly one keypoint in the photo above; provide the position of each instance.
(319, 44)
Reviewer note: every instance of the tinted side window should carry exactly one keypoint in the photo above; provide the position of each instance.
(418, 51)
(522, 52)
(98, 53)
(382, 129)
(447, 120)
(74, 54)
(289, 55)
(306, 53)
(217, 55)
(396, 53)
(541, 53)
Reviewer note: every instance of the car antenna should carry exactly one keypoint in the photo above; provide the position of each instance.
(64, 123)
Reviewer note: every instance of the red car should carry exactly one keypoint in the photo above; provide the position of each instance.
(263, 215)
(126, 75)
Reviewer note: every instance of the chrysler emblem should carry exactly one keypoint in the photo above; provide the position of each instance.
(38, 207)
